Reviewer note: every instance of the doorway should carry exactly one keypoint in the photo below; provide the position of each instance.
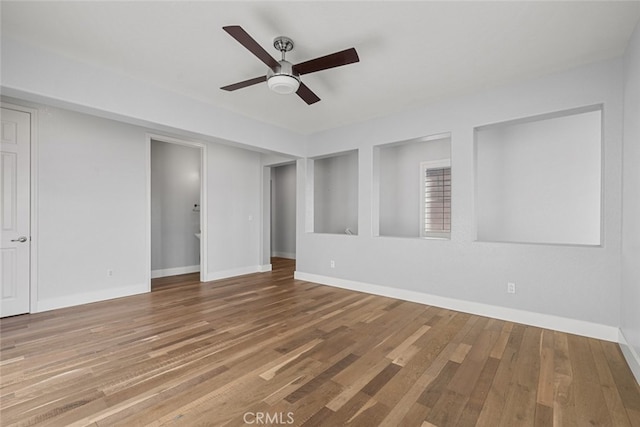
(177, 207)
(283, 211)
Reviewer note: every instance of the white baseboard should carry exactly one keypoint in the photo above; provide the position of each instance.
(288, 255)
(241, 271)
(631, 355)
(547, 321)
(89, 297)
(264, 268)
(174, 271)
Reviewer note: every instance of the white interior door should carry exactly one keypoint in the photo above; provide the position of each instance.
(15, 212)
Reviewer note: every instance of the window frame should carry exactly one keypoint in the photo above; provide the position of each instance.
(424, 166)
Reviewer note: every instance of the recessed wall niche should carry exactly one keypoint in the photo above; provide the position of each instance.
(414, 187)
(335, 194)
(539, 179)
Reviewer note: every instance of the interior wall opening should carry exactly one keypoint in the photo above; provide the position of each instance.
(335, 193)
(414, 187)
(175, 209)
(539, 179)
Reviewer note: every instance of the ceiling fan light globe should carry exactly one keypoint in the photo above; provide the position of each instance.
(283, 84)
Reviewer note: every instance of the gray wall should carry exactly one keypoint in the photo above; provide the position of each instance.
(400, 184)
(336, 193)
(283, 211)
(92, 208)
(234, 183)
(568, 282)
(175, 189)
(631, 203)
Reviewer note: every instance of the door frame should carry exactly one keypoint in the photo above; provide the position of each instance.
(33, 200)
(203, 199)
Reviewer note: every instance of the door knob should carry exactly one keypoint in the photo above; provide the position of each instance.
(20, 239)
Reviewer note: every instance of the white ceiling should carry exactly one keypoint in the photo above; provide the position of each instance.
(411, 53)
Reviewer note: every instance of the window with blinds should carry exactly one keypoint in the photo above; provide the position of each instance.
(436, 213)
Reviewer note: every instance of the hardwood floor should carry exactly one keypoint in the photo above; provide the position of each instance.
(265, 349)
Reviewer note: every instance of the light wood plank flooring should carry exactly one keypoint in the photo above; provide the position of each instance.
(265, 349)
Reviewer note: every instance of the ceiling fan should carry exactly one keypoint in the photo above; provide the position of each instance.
(282, 76)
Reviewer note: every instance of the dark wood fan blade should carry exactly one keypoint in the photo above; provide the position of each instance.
(306, 94)
(348, 56)
(247, 41)
(245, 83)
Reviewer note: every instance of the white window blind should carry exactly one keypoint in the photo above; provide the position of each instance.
(437, 200)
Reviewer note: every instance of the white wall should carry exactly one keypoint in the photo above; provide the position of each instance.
(539, 181)
(400, 184)
(631, 206)
(336, 193)
(92, 208)
(175, 189)
(234, 185)
(283, 211)
(578, 284)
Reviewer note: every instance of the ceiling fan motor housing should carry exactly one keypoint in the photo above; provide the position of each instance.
(284, 79)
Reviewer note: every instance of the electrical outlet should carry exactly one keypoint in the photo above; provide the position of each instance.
(333, 264)
(109, 273)
(511, 288)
